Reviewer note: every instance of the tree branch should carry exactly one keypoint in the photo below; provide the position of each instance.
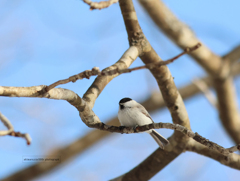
(99, 5)
(11, 131)
(7, 123)
(232, 160)
(122, 129)
(181, 34)
(101, 81)
(116, 70)
(217, 67)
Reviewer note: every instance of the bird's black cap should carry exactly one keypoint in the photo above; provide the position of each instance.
(126, 99)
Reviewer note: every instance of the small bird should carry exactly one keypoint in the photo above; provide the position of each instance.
(133, 114)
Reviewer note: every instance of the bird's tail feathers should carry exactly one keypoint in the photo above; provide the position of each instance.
(161, 141)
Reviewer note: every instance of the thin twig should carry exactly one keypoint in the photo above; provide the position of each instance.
(7, 123)
(234, 148)
(25, 136)
(95, 70)
(11, 131)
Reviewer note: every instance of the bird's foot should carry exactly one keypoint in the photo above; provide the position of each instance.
(135, 128)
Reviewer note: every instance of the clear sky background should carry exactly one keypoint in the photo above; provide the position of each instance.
(48, 40)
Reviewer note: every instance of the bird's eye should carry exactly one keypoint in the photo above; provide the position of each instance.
(121, 106)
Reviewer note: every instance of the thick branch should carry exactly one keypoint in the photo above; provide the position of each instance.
(228, 109)
(216, 66)
(181, 34)
(232, 160)
(86, 113)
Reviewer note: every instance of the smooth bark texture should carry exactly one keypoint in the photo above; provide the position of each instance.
(219, 68)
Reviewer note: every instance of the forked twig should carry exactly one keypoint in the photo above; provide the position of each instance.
(95, 70)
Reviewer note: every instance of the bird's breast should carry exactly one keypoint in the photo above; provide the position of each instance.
(132, 117)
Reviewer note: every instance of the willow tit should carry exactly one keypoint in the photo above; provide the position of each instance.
(131, 113)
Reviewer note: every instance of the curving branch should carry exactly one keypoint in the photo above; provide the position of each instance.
(7, 123)
(101, 81)
(117, 70)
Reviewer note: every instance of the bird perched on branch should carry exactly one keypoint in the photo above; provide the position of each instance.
(132, 114)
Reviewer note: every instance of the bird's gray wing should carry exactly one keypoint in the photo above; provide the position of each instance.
(157, 137)
(144, 111)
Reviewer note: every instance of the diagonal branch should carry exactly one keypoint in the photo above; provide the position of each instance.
(181, 34)
(7, 123)
(216, 66)
(117, 71)
(232, 160)
(101, 81)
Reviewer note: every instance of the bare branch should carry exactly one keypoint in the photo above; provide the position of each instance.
(35, 91)
(99, 5)
(219, 68)
(95, 70)
(125, 61)
(232, 160)
(182, 35)
(91, 120)
(25, 136)
(182, 129)
(232, 56)
(7, 123)
(11, 131)
(101, 81)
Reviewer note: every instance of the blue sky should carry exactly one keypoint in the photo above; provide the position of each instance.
(48, 40)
